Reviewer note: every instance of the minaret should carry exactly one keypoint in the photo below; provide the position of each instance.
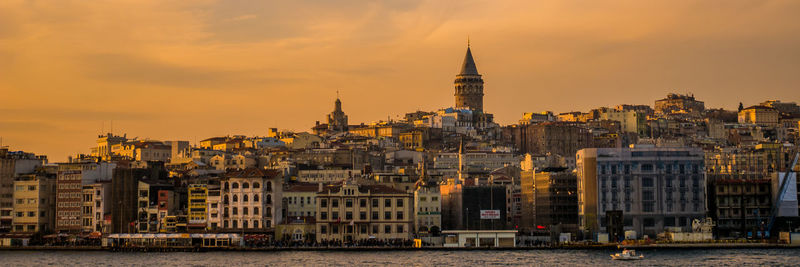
(469, 85)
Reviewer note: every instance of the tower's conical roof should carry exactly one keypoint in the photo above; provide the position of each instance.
(469, 65)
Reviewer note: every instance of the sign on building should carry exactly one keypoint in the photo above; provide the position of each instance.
(490, 214)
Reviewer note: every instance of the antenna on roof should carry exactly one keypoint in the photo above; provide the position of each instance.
(467, 41)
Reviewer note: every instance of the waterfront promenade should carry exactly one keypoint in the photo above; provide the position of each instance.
(408, 248)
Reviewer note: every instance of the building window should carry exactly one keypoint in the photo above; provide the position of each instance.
(387, 203)
(335, 229)
(323, 229)
(245, 199)
(255, 198)
(235, 211)
(256, 185)
(399, 215)
(362, 203)
(235, 186)
(335, 203)
(245, 185)
(348, 215)
(647, 182)
(335, 215)
(375, 215)
(362, 216)
(375, 203)
(400, 228)
(648, 206)
(323, 203)
(387, 229)
(375, 229)
(399, 202)
(235, 198)
(387, 215)
(348, 203)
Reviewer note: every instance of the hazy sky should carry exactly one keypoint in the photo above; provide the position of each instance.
(189, 70)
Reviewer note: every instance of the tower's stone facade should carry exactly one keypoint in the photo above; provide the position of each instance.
(469, 85)
(337, 120)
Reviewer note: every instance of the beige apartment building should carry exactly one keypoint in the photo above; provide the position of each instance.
(760, 115)
(352, 212)
(34, 198)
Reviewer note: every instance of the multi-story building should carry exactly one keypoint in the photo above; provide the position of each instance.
(96, 207)
(448, 164)
(352, 212)
(474, 207)
(197, 209)
(326, 176)
(561, 138)
(760, 115)
(214, 207)
(427, 210)
(739, 185)
(550, 199)
(790, 108)
(677, 103)
(13, 163)
(33, 203)
(300, 200)
(654, 187)
(144, 150)
(69, 200)
(630, 121)
(125, 195)
(251, 200)
(103, 150)
(156, 201)
(69, 191)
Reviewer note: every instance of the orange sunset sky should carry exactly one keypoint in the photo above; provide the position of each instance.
(188, 70)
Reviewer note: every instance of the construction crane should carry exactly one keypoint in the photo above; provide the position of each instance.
(773, 215)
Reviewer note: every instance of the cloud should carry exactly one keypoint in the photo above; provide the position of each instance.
(182, 69)
(244, 17)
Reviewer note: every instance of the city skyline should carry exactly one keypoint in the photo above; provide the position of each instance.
(189, 73)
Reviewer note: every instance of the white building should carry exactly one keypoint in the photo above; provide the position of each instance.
(250, 200)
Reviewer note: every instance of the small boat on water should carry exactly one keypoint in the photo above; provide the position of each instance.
(627, 255)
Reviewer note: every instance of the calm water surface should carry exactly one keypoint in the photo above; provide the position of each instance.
(723, 257)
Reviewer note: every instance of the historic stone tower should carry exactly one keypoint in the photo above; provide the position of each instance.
(469, 85)
(337, 121)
